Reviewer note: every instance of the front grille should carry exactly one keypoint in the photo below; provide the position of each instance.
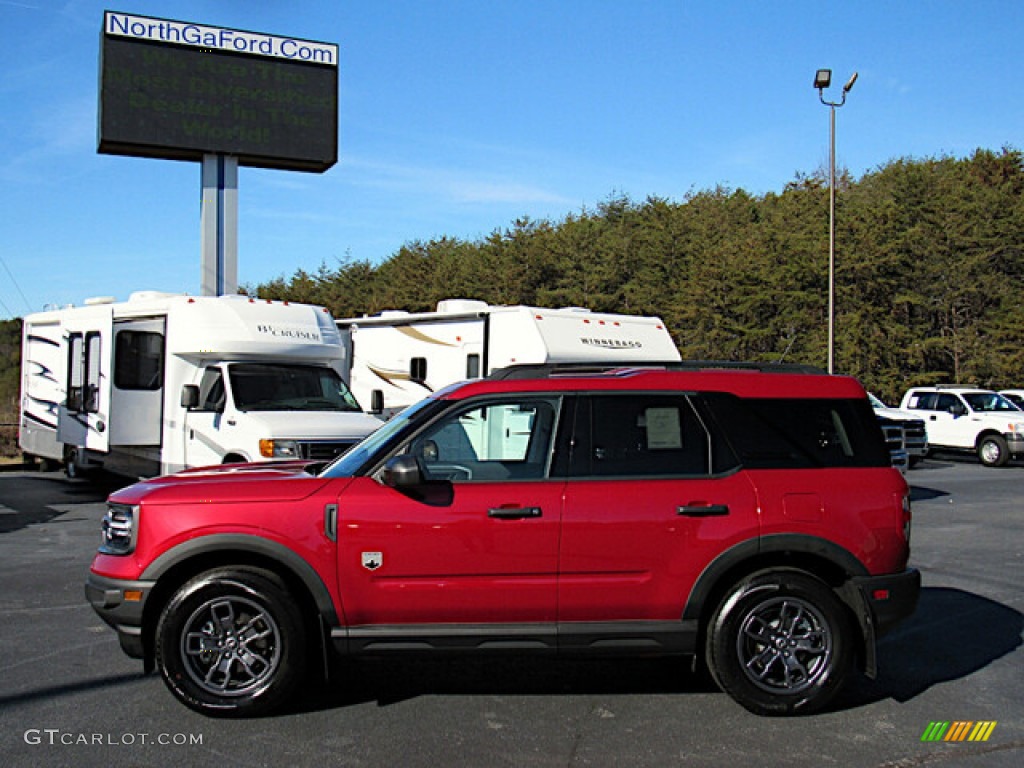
(915, 432)
(893, 436)
(323, 450)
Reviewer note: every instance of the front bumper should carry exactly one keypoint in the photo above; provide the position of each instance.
(121, 604)
(1015, 443)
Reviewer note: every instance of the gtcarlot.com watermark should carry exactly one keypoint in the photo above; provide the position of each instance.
(53, 737)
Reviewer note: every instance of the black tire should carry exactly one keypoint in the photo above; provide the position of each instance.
(231, 642)
(993, 451)
(781, 643)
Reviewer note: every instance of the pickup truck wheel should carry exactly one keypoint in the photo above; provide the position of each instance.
(992, 451)
(780, 644)
(231, 642)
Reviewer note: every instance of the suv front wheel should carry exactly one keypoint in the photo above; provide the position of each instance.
(780, 643)
(231, 642)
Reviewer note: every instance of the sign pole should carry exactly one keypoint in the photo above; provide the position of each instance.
(219, 225)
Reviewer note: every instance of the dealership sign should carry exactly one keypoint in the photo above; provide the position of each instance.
(179, 90)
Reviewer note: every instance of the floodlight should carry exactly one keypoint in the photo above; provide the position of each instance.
(822, 78)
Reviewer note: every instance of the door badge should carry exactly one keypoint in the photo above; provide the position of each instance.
(372, 560)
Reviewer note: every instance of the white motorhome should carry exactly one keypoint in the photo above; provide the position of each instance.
(404, 356)
(167, 381)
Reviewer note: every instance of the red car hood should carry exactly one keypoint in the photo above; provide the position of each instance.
(226, 483)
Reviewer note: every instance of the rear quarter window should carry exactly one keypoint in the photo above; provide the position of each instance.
(795, 433)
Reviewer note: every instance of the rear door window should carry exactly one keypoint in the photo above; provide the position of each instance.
(640, 435)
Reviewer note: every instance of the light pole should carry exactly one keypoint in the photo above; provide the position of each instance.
(822, 80)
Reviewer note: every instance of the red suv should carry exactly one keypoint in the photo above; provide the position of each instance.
(750, 518)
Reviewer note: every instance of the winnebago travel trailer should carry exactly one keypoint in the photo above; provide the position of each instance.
(405, 356)
(166, 381)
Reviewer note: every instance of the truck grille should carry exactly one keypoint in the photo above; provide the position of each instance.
(323, 450)
(893, 436)
(915, 434)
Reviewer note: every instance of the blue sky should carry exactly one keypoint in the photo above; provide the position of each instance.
(458, 116)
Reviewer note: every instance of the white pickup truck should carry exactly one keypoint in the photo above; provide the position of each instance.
(970, 419)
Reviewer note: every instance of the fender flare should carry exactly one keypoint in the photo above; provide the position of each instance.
(257, 545)
(751, 549)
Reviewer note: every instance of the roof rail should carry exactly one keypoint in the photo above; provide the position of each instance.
(549, 370)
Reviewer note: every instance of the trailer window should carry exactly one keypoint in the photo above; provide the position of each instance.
(75, 372)
(91, 399)
(138, 360)
(83, 373)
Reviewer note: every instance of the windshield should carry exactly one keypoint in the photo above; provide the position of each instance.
(284, 387)
(875, 402)
(355, 457)
(989, 402)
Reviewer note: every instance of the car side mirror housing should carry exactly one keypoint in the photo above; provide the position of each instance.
(377, 402)
(402, 472)
(190, 396)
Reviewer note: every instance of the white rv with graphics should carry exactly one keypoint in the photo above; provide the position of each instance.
(397, 358)
(162, 382)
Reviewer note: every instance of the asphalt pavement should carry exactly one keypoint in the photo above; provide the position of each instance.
(69, 696)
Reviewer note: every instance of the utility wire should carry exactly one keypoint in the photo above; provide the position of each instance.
(14, 280)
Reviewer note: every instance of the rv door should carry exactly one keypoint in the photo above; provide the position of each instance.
(138, 382)
(83, 419)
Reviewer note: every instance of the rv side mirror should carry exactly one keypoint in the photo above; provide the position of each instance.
(190, 396)
(377, 401)
(402, 472)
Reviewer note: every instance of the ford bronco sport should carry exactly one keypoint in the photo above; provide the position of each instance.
(749, 518)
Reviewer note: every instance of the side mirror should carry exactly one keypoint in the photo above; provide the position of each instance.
(377, 402)
(402, 472)
(418, 370)
(190, 396)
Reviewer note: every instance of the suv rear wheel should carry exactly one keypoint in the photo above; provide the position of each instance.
(231, 642)
(780, 643)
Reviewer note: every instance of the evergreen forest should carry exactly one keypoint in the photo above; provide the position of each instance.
(929, 271)
(929, 274)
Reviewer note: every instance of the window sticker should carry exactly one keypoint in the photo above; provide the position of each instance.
(663, 429)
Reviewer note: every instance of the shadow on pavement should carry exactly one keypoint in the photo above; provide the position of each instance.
(30, 498)
(952, 634)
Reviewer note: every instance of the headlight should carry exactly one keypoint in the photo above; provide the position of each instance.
(279, 449)
(119, 526)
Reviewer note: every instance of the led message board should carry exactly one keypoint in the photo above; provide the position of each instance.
(177, 90)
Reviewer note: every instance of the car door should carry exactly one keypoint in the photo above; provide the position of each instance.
(207, 428)
(644, 513)
(946, 424)
(474, 546)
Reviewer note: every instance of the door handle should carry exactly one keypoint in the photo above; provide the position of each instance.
(514, 513)
(703, 510)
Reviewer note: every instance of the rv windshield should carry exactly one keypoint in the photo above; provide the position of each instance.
(284, 387)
